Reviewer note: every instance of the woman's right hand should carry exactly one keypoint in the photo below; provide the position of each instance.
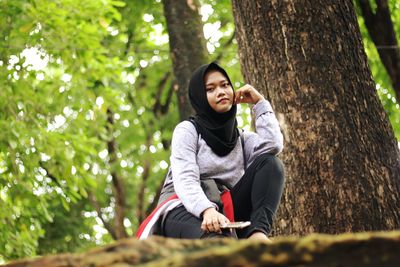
(212, 220)
(247, 94)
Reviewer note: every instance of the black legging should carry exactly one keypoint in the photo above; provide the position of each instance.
(255, 198)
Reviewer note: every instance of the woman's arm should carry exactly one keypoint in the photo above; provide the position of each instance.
(268, 131)
(268, 137)
(185, 170)
(186, 178)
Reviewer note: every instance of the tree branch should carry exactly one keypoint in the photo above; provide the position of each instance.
(380, 28)
(146, 173)
(118, 188)
(50, 175)
(165, 106)
(133, 102)
(92, 200)
(161, 85)
(128, 43)
(100, 214)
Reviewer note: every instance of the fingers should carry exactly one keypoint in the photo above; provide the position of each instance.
(244, 94)
(247, 94)
(238, 97)
(215, 225)
(212, 224)
(204, 225)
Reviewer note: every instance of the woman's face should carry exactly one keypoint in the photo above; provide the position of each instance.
(219, 91)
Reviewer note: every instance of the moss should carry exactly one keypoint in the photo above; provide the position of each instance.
(359, 249)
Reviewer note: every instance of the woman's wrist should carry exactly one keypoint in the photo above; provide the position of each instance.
(207, 211)
(260, 98)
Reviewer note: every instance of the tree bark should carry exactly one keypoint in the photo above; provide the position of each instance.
(382, 33)
(361, 250)
(187, 46)
(341, 156)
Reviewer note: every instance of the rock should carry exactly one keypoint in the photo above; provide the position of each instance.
(360, 249)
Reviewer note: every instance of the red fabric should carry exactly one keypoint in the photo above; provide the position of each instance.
(146, 221)
(228, 205)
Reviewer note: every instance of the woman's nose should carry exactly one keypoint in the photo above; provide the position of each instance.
(220, 91)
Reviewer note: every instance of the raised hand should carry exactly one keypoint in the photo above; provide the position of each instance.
(247, 94)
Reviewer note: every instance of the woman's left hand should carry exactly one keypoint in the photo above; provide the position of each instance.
(247, 94)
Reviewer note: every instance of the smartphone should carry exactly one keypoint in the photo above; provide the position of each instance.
(238, 225)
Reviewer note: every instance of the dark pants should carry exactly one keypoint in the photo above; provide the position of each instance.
(255, 198)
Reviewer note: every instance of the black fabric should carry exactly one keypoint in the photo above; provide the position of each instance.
(212, 191)
(182, 224)
(219, 130)
(257, 195)
(255, 198)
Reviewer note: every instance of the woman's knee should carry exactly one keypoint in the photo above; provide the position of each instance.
(272, 164)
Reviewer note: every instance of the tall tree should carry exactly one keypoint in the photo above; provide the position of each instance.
(341, 157)
(187, 45)
(46, 137)
(88, 119)
(381, 30)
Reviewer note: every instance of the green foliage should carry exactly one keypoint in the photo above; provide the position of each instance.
(68, 232)
(97, 56)
(383, 84)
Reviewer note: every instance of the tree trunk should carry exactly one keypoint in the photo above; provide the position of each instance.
(382, 33)
(361, 250)
(341, 157)
(187, 46)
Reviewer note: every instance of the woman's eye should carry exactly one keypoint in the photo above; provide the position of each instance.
(209, 89)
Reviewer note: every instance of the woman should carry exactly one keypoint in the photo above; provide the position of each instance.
(210, 156)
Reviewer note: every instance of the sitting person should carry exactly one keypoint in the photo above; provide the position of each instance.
(219, 173)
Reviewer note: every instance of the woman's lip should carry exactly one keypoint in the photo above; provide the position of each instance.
(222, 100)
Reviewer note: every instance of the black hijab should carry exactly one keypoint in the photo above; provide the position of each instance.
(219, 130)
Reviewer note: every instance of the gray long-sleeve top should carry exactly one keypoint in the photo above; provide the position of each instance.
(192, 159)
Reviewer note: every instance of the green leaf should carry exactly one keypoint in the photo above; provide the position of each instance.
(13, 144)
(118, 3)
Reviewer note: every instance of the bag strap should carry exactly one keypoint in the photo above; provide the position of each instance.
(244, 155)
